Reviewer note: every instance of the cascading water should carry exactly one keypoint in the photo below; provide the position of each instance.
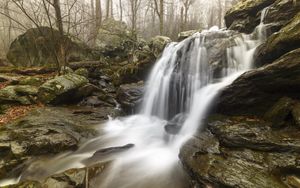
(183, 82)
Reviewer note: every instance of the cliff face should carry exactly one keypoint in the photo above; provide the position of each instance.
(254, 138)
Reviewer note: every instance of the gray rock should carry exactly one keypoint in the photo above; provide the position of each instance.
(61, 88)
(37, 46)
(255, 92)
(130, 96)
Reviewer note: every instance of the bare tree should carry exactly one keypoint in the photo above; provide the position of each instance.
(159, 8)
(107, 8)
(186, 5)
(121, 10)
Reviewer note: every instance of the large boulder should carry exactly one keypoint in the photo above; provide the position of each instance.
(242, 152)
(287, 39)
(37, 46)
(282, 11)
(61, 89)
(257, 91)
(245, 15)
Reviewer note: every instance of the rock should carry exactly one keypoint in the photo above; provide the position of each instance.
(245, 15)
(175, 124)
(46, 131)
(186, 34)
(293, 181)
(130, 96)
(286, 40)
(12, 78)
(279, 113)
(82, 72)
(18, 94)
(241, 152)
(254, 134)
(30, 80)
(282, 11)
(85, 91)
(66, 70)
(296, 113)
(60, 89)
(37, 46)
(72, 178)
(158, 43)
(114, 39)
(255, 92)
(108, 151)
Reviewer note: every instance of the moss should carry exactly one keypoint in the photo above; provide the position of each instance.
(30, 80)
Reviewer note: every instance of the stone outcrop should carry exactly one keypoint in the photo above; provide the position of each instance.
(286, 40)
(242, 152)
(246, 14)
(256, 91)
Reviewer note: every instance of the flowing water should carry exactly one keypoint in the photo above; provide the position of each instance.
(183, 83)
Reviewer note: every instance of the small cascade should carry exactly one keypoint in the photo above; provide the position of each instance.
(184, 81)
(261, 29)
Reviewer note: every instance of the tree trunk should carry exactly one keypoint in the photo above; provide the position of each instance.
(107, 8)
(98, 14)
(93, 9)
(220, 13)
(121, 10)
(161, 17)
(111, 9)
(59, 24)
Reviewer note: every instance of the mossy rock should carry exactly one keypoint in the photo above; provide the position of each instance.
(158, 43)
(60, 88)
(82, 72)
(18, 94)
(245, 15)
(286, 40)
(30, 80)
(37, 46)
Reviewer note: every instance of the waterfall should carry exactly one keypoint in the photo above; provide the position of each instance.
(181, 88)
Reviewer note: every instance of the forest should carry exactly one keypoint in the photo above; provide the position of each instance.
(149, 93)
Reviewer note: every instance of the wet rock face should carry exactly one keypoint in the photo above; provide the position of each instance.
(242, 152)
(286, 40)
(257, 91)
(130, 96)
(282, 11)
(245, 15)
(37, 46)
